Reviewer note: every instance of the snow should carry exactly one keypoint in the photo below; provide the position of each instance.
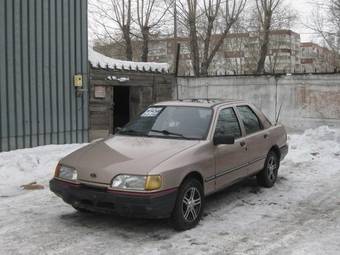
(97, 59)
(24, 166)
(299, 215)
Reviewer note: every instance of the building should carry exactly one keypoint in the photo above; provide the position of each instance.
(119, 90)
(54, 89)
(315, 58)
(283, 54)
(238, 54)
(43, 73)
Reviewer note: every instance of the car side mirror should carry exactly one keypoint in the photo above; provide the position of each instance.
(117, 129)
(224, 139)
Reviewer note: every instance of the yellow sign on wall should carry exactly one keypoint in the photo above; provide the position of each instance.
(78, 80)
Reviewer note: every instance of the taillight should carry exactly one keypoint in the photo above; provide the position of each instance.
(57, 170)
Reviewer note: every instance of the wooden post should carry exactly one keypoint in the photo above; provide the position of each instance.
(175, 41)
(177, 58)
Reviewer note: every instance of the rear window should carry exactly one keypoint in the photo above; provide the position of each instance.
(250, 120)
(227, 124)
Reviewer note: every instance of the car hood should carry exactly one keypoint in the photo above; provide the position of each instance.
(101, 161)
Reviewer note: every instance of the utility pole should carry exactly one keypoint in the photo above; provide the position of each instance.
(175, 39)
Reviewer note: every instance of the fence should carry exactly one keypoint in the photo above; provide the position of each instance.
(307, 100)
(42, 45)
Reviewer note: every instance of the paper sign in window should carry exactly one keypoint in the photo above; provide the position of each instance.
(152, 112)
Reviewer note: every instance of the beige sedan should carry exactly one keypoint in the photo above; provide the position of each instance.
(166, 161)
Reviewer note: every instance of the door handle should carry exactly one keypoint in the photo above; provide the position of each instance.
(266, 136)
(243, 143)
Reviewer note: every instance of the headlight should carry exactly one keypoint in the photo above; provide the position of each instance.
(67, 173)
(137, 182)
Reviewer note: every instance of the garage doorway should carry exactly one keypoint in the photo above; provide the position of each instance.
(121, 106)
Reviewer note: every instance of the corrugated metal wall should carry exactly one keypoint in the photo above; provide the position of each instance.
(43, 43)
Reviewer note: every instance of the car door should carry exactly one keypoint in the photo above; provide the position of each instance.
(230, 159)
(256, 138)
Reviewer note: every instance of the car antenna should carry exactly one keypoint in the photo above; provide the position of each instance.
(278, 115)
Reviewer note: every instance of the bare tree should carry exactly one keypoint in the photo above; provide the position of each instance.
(326, 22)
(208, 21)
(114, 18)
(150, 15)
(335, 12)
(235, 48)
(283, 17)
(188, 16)
(265, 9)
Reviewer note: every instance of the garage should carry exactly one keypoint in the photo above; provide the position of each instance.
(119, 90)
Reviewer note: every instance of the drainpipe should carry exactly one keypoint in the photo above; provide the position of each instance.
(176, 68)
(276, 94)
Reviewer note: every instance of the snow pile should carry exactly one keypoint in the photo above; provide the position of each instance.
(299, 215)
(24, 166)
(321, 143)
(99, 60)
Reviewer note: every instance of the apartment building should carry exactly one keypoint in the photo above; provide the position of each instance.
(315, 58)
(239, 54)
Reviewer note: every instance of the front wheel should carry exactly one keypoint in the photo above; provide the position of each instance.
(189, 205)
(267, 177)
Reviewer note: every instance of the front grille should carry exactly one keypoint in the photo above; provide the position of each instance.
(93, 188)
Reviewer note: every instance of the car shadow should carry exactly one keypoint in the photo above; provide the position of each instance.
(158, 229)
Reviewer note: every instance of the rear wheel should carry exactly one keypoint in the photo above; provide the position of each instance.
(267, 177)
(189, 205)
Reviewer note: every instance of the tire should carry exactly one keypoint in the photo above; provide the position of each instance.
(267, 177)
(189, 205)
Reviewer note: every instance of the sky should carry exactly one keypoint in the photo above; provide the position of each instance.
(304, 9)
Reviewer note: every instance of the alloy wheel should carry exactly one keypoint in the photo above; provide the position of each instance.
(272, 169)
(191, 204)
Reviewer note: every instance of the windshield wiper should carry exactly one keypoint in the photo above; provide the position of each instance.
(166, 132)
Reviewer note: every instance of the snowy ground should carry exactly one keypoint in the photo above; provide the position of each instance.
(300, 215)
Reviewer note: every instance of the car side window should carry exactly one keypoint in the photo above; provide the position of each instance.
(227, 124)
(249, 119)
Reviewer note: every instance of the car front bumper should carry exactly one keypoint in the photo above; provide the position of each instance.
(132, 204)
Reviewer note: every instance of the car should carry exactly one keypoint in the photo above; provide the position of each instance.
(166, 161)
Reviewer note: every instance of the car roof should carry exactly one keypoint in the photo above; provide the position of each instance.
(201, 102)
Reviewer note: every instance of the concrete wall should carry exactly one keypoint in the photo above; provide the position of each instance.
(307, 100)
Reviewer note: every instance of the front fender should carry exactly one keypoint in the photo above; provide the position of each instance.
(198, 158)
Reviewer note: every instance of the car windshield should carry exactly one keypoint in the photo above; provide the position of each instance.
(179, 122)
